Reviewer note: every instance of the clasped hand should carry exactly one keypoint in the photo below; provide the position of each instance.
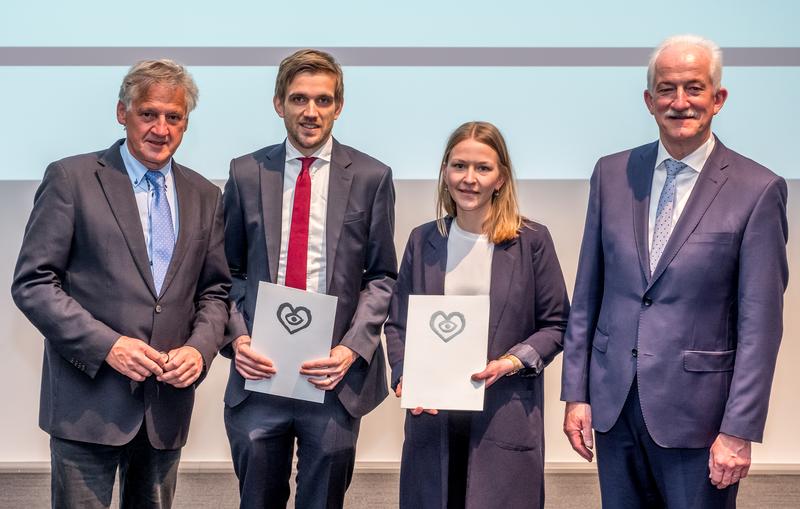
(180, 367)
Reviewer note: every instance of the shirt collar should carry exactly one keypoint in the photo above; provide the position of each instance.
(696, 160)
(136, 170)
(323, 153)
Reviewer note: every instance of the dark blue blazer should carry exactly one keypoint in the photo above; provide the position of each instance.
(702, 333)
(528, 304)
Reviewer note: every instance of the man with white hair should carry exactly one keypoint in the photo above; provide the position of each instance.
(677, 311)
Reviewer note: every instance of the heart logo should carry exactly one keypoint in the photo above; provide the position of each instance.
(294, 319)
(447, 326)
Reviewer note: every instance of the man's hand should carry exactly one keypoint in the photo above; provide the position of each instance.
(249, 363)
(728, 460)
(327, 373)
(578, 428)
(183, 368)
(494, 370)
(135, 359)
(414, 411)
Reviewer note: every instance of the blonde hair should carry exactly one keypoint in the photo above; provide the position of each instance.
(504, 221)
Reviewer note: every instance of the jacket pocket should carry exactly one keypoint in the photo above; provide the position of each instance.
(711, 237)
(694, 360)
(600, 341)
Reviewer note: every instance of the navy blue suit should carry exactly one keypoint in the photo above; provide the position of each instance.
(700, 335)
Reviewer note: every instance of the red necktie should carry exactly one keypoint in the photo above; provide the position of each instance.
(297, 255)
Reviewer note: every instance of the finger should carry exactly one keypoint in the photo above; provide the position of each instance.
(431, 411)
(319, 363)
(322, 372)
(588, 438)
(576, 440)
(715, 472)
(187, 379)
(416, 411)
(255, 367)
(155, 356)
(481, 375)
(251, 374)
(254, 356)
(727, 478)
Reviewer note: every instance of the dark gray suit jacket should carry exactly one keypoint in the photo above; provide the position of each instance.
(702, 334)
(528, 305)
(361, 262)
(83, 279)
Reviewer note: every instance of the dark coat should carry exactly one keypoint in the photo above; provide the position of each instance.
(528, 303)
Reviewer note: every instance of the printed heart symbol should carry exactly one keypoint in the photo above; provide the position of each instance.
(447, 326)
(293, 319)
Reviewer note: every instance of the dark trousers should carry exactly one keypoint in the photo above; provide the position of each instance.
(262, 430)
(635, 472)
(83, 474)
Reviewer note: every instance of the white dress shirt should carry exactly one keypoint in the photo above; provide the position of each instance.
(316, 262)
(469, 263)
(684, 181)
(145, 194)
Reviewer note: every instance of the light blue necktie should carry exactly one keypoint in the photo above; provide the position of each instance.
(666, 204)
(162, 233)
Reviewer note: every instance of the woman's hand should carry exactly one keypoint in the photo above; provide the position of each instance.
(494, 371)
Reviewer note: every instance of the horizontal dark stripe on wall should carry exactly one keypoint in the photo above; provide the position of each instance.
(379, 56)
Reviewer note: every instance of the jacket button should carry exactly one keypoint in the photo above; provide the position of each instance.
(647, 301)
(158, 308)
(635, 352)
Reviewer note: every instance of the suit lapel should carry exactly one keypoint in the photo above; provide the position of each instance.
(271, 179)
(503, 265)
(641, 166)
(435, 261)
(708, 184)
(189, 216)
(118, 190)
(339, 180)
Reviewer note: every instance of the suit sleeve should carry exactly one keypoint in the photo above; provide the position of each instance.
(763, 276)
(40, 278)
(395, 328)
(551, 308)
(211, 298)
(236, 253)
(586, 300)
(380, 272)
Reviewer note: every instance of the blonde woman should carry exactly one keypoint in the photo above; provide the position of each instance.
(479, 245)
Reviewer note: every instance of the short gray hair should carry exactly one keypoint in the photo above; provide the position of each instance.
(145, 73)
(714, 54)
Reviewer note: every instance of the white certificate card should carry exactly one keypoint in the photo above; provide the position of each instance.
(291, 327)
(447, 339)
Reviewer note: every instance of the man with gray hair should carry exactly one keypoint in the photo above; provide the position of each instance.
(677, 311)
(122, 269)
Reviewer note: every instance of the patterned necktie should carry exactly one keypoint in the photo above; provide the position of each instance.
(162, 233)
(297, 253)
(666, 204)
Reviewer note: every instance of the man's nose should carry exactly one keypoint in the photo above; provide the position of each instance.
(161, 127)
(681, 101)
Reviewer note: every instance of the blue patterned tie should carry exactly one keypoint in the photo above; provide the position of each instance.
(162, 233)
(666, 204)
